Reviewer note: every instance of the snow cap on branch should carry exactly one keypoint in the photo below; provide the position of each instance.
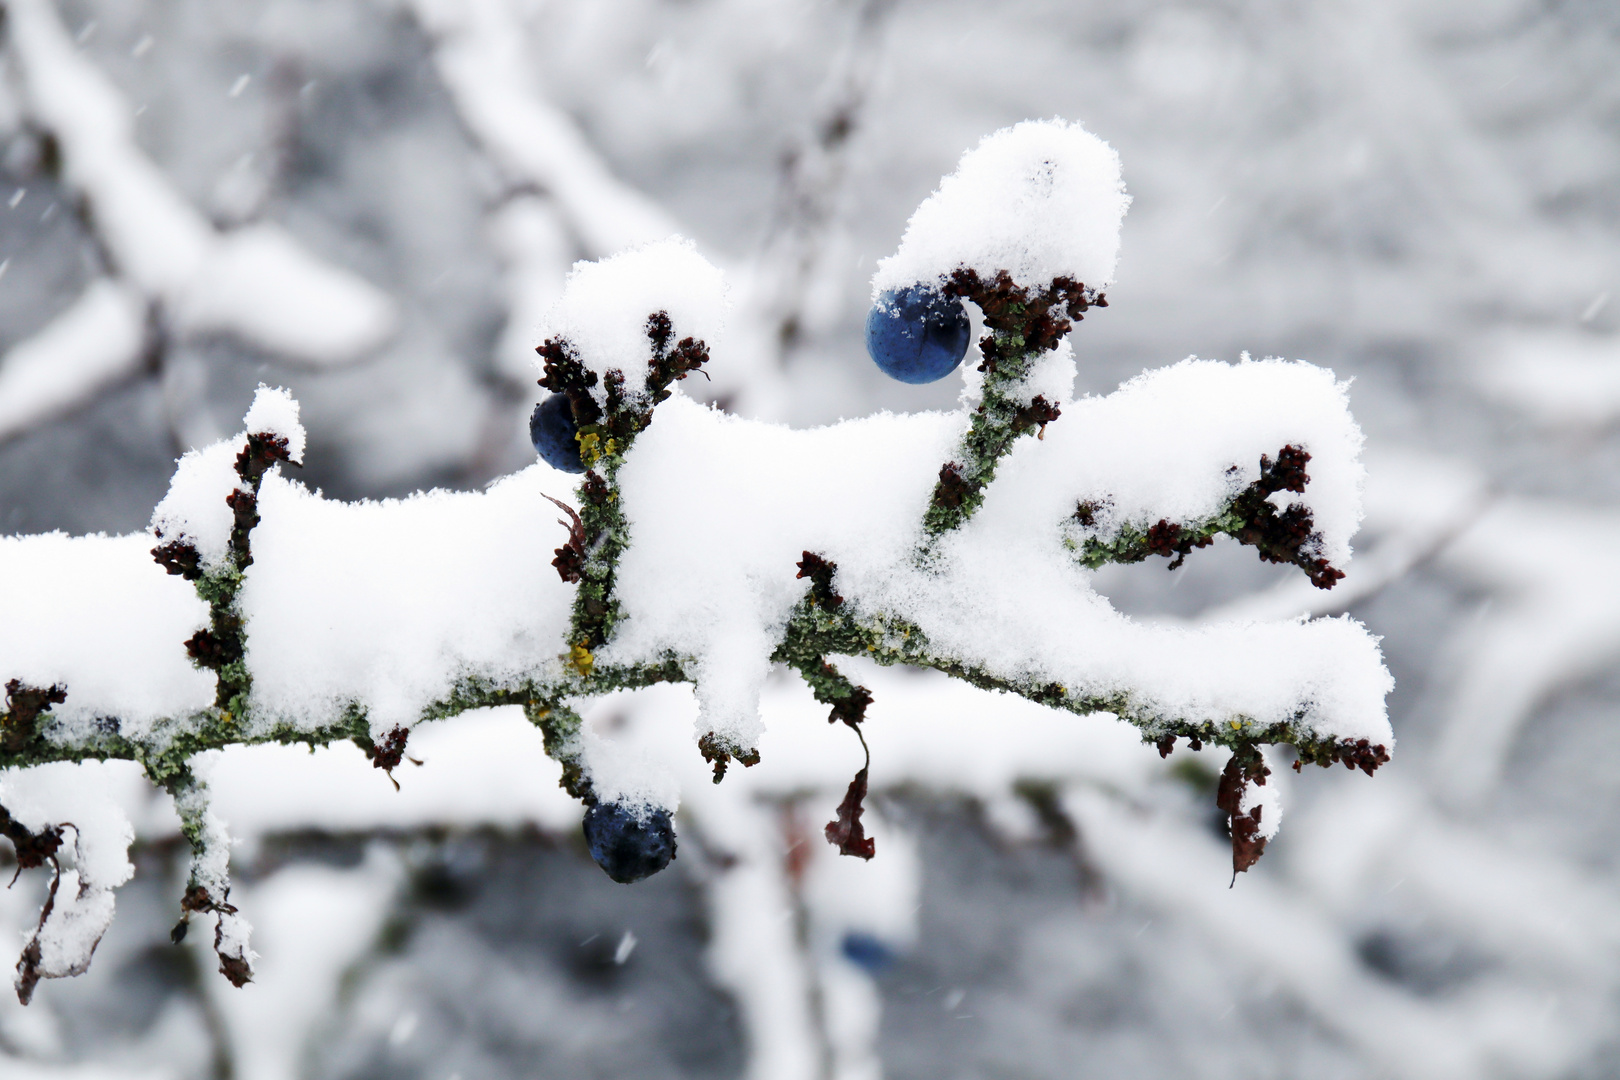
(1041, 200)
(603, 311)
(1213, 418)
(275, 412)
(195, 511)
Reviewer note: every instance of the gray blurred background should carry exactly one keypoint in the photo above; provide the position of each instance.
(1423, 196)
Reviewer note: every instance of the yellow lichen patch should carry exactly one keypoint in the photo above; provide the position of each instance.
(589, 447)
(581, 658)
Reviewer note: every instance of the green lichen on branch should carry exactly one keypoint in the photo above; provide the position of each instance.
(605, 430)
(818, 629)
(1023, 323)
(813, 633)
(220, 646)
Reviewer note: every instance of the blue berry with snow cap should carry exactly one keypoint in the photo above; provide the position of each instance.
(552, 430)
(917, 334)
(627, 845)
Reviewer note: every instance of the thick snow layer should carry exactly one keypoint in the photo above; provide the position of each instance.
(1042, 199)
(1116, 449)
(741, 501)
(604, 307)
(389, 603)
(86, 794)
(97, 615)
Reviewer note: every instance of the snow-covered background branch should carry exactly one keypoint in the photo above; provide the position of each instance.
(373, 204)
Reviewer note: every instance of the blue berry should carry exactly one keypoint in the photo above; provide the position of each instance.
(917, 334)
(551, 429)
(865, 951)
(628, 847)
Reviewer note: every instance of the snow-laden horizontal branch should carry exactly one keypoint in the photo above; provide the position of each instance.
(703, 548)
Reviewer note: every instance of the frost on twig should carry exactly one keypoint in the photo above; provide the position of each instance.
(79, 902)
(706, 548)
(208, 885)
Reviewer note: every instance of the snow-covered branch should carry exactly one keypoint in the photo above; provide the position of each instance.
(705, 549)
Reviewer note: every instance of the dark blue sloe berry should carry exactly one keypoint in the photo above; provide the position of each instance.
(551, 429)
(627, 846)
(917, 334)
(866, 951)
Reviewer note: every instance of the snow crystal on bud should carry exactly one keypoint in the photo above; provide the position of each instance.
(275, 412)
(1041, 200)
(194, 511)
(605, 305)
